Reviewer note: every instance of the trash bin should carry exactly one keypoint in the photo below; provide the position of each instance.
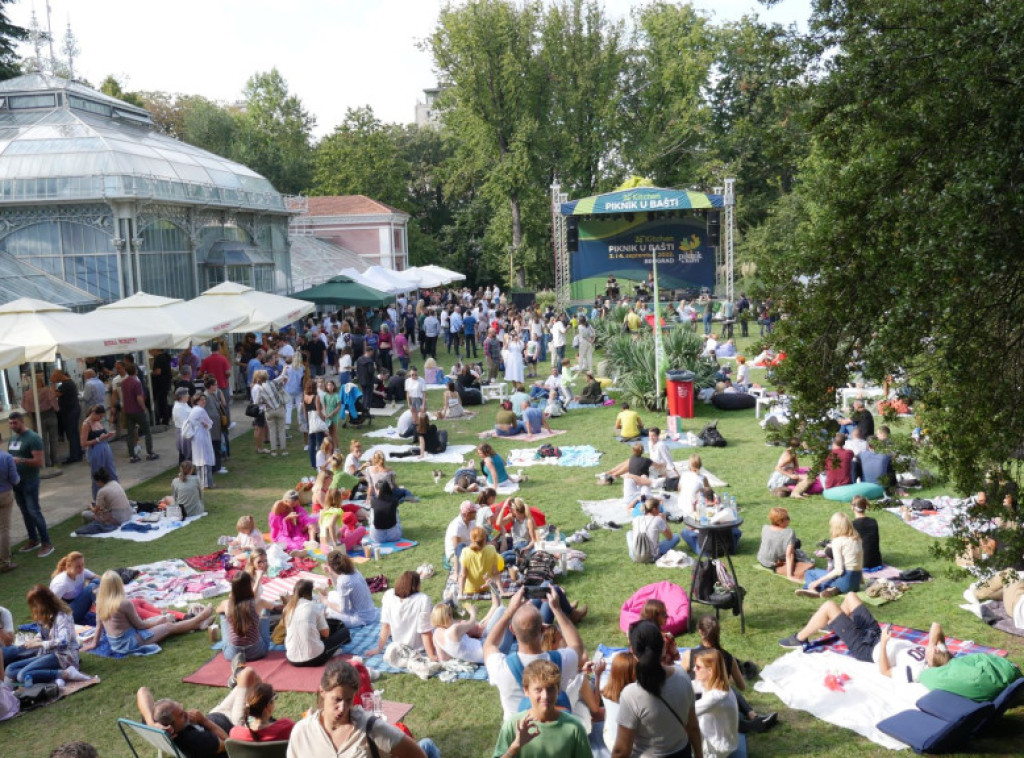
(679, 386)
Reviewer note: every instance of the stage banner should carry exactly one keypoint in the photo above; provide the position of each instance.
(626, 248)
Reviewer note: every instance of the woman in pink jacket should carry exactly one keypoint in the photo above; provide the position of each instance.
(290, 525)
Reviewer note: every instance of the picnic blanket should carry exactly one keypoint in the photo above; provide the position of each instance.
(524, 437)
(387, 410)
(70, 688)
(939, 523)
(672, 444)
(138, 530)
(505, 488)
(356, 553)
(993, 613)
(172, 582)
(454, 454)
(572, 455)
(574, 406)
(365, 638)
(797, 679)
(612, 513)
(278, 589)
(956, 646)
(388, 433)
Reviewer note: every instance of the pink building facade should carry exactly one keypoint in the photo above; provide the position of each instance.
(375, 231)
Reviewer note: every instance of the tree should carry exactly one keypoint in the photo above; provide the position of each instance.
(361, 156)
(10, 35)
(111, 86)
(908, 224)
(274, 139)
(495, 100)
(196, 120)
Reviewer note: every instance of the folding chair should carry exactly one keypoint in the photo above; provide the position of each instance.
(156, 738)
(243, 749)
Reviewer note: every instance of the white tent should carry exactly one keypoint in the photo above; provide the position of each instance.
(188, 322)
(262, 309)
(11, 355)
(446, 273)
(380, 279)
(426, 277)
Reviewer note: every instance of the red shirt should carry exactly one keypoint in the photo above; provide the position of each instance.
(218, 366)
(131, 391)
(279, 730)
(837, 468)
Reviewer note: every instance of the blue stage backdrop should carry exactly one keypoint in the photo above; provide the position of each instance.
(626, 249)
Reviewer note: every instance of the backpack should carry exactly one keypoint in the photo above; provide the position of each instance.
(642, 552)
(37, 695)
(704, 577)
(548, 451)
(710, 435)
(539, 568)
(515, 666)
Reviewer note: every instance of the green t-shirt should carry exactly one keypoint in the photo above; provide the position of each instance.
(979, 676)
(21, 447)
(563, 738)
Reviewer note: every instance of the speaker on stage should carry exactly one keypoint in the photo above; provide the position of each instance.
(714, 219)
(572, 234)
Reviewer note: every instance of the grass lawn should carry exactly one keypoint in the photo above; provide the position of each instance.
(463, 717)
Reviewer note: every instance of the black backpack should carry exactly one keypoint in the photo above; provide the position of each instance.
(710, 435)
(705, 574)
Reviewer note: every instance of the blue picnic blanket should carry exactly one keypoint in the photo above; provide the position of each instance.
(365, 638)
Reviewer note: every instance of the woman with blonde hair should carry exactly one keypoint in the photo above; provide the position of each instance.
(522, 529)
(463, 640)
(118, 618)
(478, 563)
(717, 711)
(267, 394)
(847, 562)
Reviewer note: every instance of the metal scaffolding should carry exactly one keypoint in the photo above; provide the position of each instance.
(558, 242)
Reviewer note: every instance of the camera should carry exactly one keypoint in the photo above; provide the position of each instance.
(537, 592)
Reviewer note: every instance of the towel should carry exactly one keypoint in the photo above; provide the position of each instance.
(139, 531)
(572, 455)
(454, 454)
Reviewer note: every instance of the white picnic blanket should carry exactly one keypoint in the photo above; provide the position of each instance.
(506, 488)
(387, 410)
(160, 529)
(572, 455)
(388, 433)
(798, 680)
(942, 524)
(614, 510)
(454, 454)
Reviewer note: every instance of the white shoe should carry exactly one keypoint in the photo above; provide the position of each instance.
(222, 470)
(74, 675)
(305, 448)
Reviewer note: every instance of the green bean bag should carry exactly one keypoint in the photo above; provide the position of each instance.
(979, 676)
(848, 492)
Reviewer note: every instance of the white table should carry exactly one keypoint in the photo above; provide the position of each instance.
(494, 391)
(847, 394)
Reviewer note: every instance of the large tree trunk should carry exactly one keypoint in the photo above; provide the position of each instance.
(515, 270)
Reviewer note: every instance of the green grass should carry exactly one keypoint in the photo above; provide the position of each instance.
(463, 717)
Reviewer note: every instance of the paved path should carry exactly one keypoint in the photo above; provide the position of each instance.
(69, 494)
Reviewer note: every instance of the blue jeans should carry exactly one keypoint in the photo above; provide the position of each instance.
(547, 616)
(380, 536)
(81, 605)
(26, 495)
(690, 538)
(315, 440)
(849, 581)
(429, 748)
(43, 668)
(517, 429)
(252, 652)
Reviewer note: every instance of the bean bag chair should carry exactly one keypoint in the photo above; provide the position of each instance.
(847, 492)
(673, 596)
(978, 677)
(604, 381)
(733, 401)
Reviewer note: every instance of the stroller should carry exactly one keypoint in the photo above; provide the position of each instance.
(354, 410)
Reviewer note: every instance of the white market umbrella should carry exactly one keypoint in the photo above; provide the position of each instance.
(262, 310)
(375, 279)
(447, 273)
(187, 321)
(428, 278)
(11, 355)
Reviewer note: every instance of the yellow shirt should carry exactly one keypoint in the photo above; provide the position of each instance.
(479, 566)
(628, 422)
(633, 321)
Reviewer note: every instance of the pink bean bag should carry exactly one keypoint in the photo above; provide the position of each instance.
(673, 596)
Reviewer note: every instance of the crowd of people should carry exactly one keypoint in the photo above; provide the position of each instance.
(326, 375)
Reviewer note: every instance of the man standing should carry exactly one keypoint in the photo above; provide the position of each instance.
(431, 330)
(316, 349)
(94, 393)
(558, 341)
(9, 479)
(366, 376)
(587, 337)
(455, 326)
(162, 383)
(492, 352)
(134, 403)
(469, 332)
(26, 447)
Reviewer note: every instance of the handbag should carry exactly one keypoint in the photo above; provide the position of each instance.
(224, 420)
(252, 410)
(316, 423)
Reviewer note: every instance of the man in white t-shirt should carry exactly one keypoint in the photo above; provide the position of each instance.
(557, 341)
(856, 443)
(525, 622)
(406, 424)
(661, 459)
(456, 536)
(415, 390)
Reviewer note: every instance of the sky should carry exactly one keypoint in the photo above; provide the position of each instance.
(334, 54)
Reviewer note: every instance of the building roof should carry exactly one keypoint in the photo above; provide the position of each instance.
(20, 279)
(349, 205)
(61, 141)
(315, 260)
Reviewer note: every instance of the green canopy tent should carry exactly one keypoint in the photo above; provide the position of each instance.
(343, 290)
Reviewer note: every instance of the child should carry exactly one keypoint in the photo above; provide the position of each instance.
(655, 610)
(249, 538)
(553, 408)
(329, 518)
(324, 454)
(532, 351)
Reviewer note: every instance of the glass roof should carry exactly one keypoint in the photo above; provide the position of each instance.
(315, 260)
(93, 147)
(19, 279)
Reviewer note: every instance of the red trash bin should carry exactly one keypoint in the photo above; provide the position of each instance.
(679, 386)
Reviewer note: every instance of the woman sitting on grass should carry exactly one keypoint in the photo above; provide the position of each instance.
(478, 563)
(492, 465)
(405, 617)
(710, 639)
(463, 640)
(311, 638)
(351, 601)
(259, 724)
(716, 708)
(779, 548)
(56, 650)
(451, 404)
(245, 632)
(76, 585)
(847, 562)
(117, 617)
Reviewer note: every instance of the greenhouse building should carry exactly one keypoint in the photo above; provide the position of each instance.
(96, 204)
